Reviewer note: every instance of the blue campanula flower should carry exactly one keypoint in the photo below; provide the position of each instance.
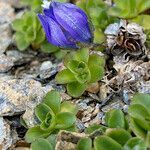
(65, 24)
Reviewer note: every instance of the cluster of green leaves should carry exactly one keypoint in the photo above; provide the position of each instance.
(114, 136)
(28, 31)
(82, 69)
(53, 116)
(102, 15)
(97, 11)
(33, 4)
(131, 132)
(128, 9)
(139, 112)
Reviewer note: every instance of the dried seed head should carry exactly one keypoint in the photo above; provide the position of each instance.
(125, 37)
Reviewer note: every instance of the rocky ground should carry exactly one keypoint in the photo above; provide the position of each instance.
(25, 77)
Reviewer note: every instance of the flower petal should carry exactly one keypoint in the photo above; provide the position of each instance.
(72, 19)
(54, 32)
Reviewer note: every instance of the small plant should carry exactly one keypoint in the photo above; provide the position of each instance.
(114, 136)
(128, 9)
(139, 113)
(53, 116)
(81, 70)
(28, 31)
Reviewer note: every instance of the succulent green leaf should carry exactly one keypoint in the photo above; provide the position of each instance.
(84, 144)
(65, 76)
(121, 136)
(143, 21)
(135, 143)
(115, 119)
(17, 25)
(82, 55)
(64, 120)
(34, 133)
(95, 127)
(97, 73)
(142, 99)
(129, 8)
(21, 42)
(138, 111)
(30, 34)
(53, 100)
(76, 66)
(49, 122)
(68, 107)
(148, 139)
(41, 111)
(39, 144)
(96, 67)
(76, 89)
(106, 143)
(48, 48)
(138, 131)
(52, 140)
(95, 59)
(40, 36)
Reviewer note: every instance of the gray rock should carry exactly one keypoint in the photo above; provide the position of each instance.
(7, 136)
(6, 63)
(47, 69)
(14, 3)
(17, 94)
(6, 17)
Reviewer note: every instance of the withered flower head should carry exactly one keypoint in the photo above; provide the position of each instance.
(125, 37)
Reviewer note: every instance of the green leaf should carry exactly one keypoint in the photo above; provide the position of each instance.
(17, 25)
(30, 34)
(76, 89)
(52, 140)
(96, 67)
(39, 144)
(138, 131)
(138, 111)
(142, 20)
(135, 143)
(65, 76)
(97, 73)
(49, 122)
(68, 107)
(41, 111)
(21, 42)
(84, 144)
(78, 56)
(148, 139)
(64, 120)
(53, 100)
(95, 127)
(115, 119)
(142, 99)
(95, 59)
(34, 133)
(82, 55)
(48, 48)
(121, 136)
(106, 143)
(40, 36)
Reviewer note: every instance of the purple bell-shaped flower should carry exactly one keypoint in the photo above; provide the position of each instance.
(65, 24)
